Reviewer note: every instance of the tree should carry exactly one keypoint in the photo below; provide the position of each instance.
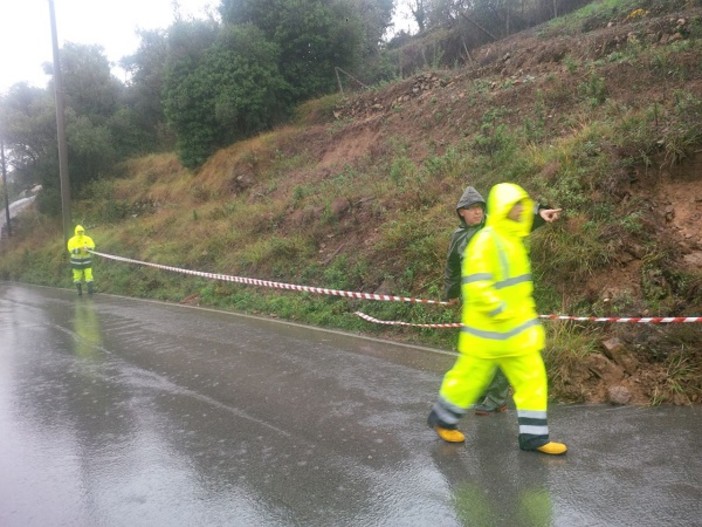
(230, 90)
(419, 9)
(90, 88)
(445, 12)
(376, 18)
(142, 121)
(314, 37)
(28, 118)
(91, 149)
(92, 99)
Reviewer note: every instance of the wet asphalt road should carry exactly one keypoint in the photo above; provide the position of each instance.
(121, 412)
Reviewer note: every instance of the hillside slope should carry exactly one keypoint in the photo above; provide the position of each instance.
(541, 76)
(546, 71)
(600, 114)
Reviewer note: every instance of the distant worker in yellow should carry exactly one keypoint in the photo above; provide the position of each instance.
(81, 259)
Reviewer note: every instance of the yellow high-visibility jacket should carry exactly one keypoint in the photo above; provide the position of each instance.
(78, 246)
(499, 316)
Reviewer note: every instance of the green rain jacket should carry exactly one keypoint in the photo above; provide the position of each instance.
(459, 240)
(499, 313)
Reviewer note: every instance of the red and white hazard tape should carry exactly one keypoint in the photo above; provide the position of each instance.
(386, 298)
(275, 285)
(630, 320)
(408, 324)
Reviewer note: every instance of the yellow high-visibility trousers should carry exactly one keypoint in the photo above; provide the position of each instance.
(79, 274)
(470, 375)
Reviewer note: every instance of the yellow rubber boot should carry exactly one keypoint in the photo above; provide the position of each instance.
(553, 449)
(450, 435)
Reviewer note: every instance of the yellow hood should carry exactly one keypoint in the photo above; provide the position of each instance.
(501, 199)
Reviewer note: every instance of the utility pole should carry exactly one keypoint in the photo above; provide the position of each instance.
(4, 187)
(61, 131)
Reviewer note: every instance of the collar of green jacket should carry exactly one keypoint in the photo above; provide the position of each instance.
(501, 199)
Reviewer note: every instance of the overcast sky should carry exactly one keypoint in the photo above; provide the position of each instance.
(25, 30)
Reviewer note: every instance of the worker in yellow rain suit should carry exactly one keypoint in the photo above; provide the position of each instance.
(500, 326)
(81, 260)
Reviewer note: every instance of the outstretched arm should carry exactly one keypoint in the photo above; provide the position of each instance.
(550, 215)
(545, 214)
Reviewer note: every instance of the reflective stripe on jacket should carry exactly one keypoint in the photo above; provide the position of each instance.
(499, 314)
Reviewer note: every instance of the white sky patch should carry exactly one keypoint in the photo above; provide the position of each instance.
(25, 30)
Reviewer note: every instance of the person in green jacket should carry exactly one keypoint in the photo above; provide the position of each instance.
(81, 260)
(500, 326)
(471, 213)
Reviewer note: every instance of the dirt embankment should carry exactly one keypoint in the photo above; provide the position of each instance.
(635, 365)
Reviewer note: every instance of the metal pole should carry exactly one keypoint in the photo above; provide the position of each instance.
(61, 131)
(4, 187)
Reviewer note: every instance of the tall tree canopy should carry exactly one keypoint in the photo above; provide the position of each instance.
(376, 18)
(198, 85)
(143, 119)
(90, 88)
(28, 119)
(314, 37)
(221, 92)
(92, 98)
